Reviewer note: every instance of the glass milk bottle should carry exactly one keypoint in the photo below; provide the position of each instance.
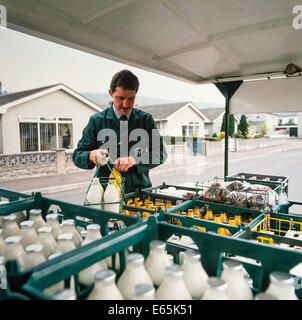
(68, 226)
(265, 296)
(173, 286)
(93, 233)
(65, 294)
(95, 193)
(157, 261)
(2, 243)
(10, 227)
(14, 250)
(281, 286)
(57, 286)
(216, 289)
(87, 275)
(52, 220)
(143, 291)
(111, 198)
(36, 216)
(34, 255)
(195, 276)
(48, 241)
(133, 274)
(1, 217)
(238, 288)
(28, 233)
(65, 243)
(105, 287)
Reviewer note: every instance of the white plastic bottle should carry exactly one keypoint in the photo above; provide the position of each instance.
(157, 261)
(14, 250)
(195, 276)
(143, 291)
(237, 286)
(216, 289)
(28, 233)
(111, 198)
(87, 275)
(2, 243)
(65, 243)
(34, 255)
(173, 286)
(133, 274)
(281, 286)
(10, 227)
(105, 287)
(52, 220)
(95, 193)
(48, 241)
(68, 226)
(36, 216)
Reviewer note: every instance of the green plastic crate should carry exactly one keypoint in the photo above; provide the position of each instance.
(82, 216)
(277, 183)
(213, 248)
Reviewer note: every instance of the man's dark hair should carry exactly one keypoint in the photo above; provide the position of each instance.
(125, 79)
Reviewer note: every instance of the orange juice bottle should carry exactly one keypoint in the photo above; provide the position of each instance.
(209, 214)
(190, 213)
(217, 218)
(238, 219)
(233, 222)
(223, 216)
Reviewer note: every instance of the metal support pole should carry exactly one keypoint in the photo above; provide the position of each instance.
(227, 89)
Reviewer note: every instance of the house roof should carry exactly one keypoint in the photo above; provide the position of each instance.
(164, 111)
(212, 113)
(10, 100)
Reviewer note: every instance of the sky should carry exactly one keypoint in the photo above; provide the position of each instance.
(28, 62)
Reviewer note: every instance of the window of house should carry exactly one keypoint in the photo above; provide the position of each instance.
(191, 129)
(45, 133)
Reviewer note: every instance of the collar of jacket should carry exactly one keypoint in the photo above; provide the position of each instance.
(111, 115)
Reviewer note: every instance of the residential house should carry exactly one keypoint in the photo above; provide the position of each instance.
(214, 120)
(177, 119)
(255, 120)
(43, 118)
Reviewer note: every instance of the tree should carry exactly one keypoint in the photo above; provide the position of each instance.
(262, 129)
(243, 126)
(231, 124)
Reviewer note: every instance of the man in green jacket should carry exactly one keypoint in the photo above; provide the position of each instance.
(126, 134)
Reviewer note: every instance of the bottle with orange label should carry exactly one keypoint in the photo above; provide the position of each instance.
(208, 215)
(190, 213)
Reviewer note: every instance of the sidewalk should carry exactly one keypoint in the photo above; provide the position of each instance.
(78, 180)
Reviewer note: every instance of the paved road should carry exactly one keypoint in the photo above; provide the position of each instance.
(283, 164)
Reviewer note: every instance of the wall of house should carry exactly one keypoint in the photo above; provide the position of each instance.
(300, 125)
(56, 104)
(1, 135)
(183, 117)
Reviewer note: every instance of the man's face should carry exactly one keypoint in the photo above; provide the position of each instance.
(123, 99)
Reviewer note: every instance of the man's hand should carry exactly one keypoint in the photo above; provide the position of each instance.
(99, 156)
(124, 163)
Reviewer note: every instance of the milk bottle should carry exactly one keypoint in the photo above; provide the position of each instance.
(28, 233)
(34, 255)
(105, 287)
(14, 250)
(281, 286)
(68, 226)
(157, 261)
(195, 276)
(111, 198)
(265, 296)
(216, 289)
(87, 275)
(48, 241)
(173, 286)
(10, 227)
(52, 220)
(237, 287)
(93, 233)
(65, 243)
(133, 274)
(95, 193)
(36, 216)
(143, 291)
(2, 243)
(65, 294)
